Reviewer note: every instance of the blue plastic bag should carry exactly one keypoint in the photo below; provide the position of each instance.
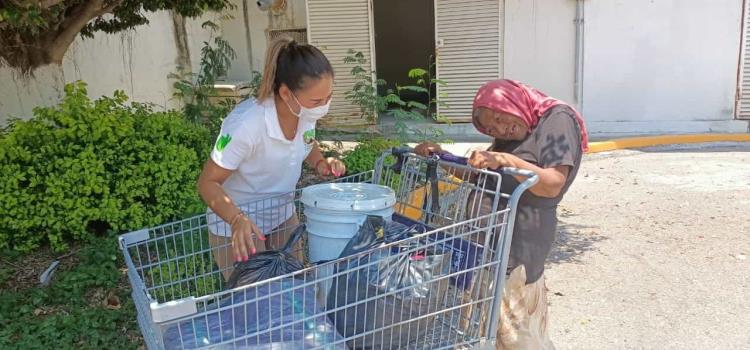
(277, 315)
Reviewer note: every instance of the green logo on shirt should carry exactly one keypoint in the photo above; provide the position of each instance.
(309, 136)
(222, 142)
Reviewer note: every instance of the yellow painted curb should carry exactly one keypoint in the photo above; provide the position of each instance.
(640, 142)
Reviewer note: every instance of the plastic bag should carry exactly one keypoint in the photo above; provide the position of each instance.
(280, 315)
(267, 264)
(375, 231)
(466, 253)
(385, 289)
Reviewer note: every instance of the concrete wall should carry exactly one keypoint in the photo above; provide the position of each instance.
(666, 66)
(139, 61)
(540, 45)
(295, 16)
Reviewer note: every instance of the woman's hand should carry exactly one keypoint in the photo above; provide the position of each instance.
(330, 166)
(427, 149)
(244, 232)
(492, 160)
(551, 180)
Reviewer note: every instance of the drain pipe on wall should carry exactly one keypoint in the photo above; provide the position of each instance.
(578, 84)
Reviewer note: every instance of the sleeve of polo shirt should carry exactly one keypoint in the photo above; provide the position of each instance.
(308, 136)
(559, 141)
(232, 145)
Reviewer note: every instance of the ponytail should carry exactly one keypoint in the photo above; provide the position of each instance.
(290, 63)
(266, 88)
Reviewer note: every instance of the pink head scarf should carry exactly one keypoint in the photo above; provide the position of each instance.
(522, 101)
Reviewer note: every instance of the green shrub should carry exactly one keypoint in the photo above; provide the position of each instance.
(362, 158)
(89, 167)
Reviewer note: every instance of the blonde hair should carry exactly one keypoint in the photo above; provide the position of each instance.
(290, 63)
(266, 88)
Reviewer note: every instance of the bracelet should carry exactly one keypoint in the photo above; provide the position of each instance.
(236, 216)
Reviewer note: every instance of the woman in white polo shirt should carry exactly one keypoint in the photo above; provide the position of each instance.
(259, 154)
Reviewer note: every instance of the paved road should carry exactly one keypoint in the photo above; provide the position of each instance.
(654, 251)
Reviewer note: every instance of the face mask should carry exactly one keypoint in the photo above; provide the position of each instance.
(310, 114)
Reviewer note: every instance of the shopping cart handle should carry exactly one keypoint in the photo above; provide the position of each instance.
(452, 158)
(444, 156)
(448, 157)
(507, 171)
(400, 151)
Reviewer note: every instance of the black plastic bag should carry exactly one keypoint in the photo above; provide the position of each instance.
(403, 286)
(375, 231)
(267, 264)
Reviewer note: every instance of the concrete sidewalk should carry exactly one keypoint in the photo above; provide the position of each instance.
(653, 251)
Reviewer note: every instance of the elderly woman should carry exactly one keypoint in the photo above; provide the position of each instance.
(534, 132)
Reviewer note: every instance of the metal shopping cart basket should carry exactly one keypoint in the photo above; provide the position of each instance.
(182, 301)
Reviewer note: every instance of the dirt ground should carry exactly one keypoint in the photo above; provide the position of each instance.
(653, 251)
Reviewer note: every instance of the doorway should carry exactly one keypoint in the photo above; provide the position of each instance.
(404, 39)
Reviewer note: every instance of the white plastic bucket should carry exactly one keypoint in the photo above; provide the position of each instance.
(334, 213)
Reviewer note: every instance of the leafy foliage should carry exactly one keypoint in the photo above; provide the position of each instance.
(201, 103)
(364, 92)
(39, 32)
(84, 308)
(413, 110)
(362, 158)
(90, 167)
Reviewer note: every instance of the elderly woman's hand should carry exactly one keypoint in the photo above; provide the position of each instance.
(492, 160)
(427, 149)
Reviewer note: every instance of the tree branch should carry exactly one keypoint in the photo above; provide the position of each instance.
(49, 3)
(42, 4)
(54, 25)
(71, 26)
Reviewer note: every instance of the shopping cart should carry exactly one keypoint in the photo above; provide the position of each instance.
(182, 300)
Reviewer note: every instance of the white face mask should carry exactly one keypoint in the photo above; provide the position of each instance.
(310, 114)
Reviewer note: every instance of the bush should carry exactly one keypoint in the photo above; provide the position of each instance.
(91, 167)
(362, 158)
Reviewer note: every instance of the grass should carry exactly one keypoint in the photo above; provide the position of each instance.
(87, 306)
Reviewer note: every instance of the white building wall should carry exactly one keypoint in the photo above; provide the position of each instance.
(665, 66)
(540, 45)
(295, 16)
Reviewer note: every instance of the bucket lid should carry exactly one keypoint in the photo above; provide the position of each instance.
(348, 197)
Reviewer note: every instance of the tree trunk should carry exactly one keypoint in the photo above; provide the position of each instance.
(27, 52)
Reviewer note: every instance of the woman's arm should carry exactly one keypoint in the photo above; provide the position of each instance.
(211, 189)
(324, 166)
(551, 180)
